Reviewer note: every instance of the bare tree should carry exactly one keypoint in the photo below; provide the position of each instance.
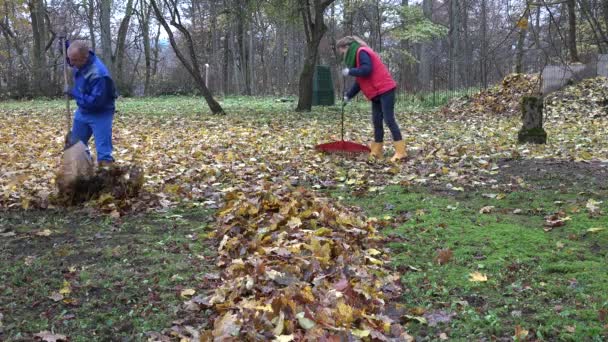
(191, 62)
(572, 31)
(313, 12)
(121, 42)
(39, 34)
(106, 33)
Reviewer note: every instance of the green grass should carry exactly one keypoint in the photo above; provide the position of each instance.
(125, 278)
(552, 284)
(243, 105)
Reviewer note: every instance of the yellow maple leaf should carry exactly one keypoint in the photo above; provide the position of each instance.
(477, 277)
(188, 292)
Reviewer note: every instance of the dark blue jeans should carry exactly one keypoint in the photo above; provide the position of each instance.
(383, 108)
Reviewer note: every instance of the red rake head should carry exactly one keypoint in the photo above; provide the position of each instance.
(342, 147)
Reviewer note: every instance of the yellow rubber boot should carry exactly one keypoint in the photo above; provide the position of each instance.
(400, 152)
(376, 150)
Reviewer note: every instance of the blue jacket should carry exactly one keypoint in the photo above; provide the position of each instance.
(94, 89)
(364, 69)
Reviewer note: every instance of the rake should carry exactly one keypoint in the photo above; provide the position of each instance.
(342, 146)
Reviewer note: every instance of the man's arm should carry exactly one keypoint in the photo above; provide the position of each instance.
(97, 96)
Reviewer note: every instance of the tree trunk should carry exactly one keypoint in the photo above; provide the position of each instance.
(424, 70)
(572, 31)
(454, 38)
(523, 31)
(40, 73)
(90, 9)
(106, 34)
(191, 65)
(144, 14)
(468, 52)
(349, 13)
(484, 44)
(226, 64)
(243, 47)
(120, 49)
(596, 26)
(605, 11)
(156, 51)
(315, 28)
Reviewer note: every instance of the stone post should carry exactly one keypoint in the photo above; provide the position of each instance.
(532, 119)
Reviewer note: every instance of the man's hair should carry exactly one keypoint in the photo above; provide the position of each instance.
(79, 46)
(346, 41)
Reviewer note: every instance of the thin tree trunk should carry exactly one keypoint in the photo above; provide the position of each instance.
(315, 28)
(192, 65)
(40, 72)
(455, 42)
(424, 69)
(121, 47)
(144, 14)
(605, 11)
(106, 34)
(90, 9)
(519, 56)
(572, 31)
(484, 44)
(155, 59)
(596, 27)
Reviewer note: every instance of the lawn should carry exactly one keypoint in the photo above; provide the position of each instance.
(526, 223)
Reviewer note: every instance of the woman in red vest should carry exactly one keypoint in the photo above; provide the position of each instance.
(376, 83)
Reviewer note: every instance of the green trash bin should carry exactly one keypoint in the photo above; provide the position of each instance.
(323, 87)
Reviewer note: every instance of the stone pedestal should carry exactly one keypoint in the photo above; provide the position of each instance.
(532, 119)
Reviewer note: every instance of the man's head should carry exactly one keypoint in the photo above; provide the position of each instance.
(78, 53)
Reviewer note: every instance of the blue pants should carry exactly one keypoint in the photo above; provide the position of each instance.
(383, 108)
(100, 127)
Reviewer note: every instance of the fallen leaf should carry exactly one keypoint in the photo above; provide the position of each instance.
(444, 256)
(360, 333)
(187, 292)
(226, 326)
(46, 232)
(283, 338)
(520, 333)
(56, 296)
(477, 277)
(595, 230)
(47, 336)
(593, 206)
(487, 209)
(304, 322)
(419, 319)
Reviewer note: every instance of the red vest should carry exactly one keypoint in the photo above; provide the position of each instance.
(379, 81)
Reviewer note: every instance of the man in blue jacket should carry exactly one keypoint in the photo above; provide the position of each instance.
(94, 93)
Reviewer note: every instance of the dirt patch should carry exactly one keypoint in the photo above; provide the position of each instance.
(548, 174)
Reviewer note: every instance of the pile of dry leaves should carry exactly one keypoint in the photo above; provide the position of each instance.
(587, 99)
(298, 267)
(503, 99)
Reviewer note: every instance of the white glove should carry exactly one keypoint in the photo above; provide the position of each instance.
(345, 71)
(345, 99)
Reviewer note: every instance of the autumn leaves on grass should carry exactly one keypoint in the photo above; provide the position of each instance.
(296, 266)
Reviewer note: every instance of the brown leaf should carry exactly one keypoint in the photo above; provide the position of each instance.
(47, 336)
(444, 256)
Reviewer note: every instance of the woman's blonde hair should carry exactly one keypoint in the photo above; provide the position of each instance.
(346, 41)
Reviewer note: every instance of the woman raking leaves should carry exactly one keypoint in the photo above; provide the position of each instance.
(376, 83)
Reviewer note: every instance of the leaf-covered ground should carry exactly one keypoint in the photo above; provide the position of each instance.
(193, 159)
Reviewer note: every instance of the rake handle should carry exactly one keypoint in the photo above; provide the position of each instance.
(342, 111)
(68, 113)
